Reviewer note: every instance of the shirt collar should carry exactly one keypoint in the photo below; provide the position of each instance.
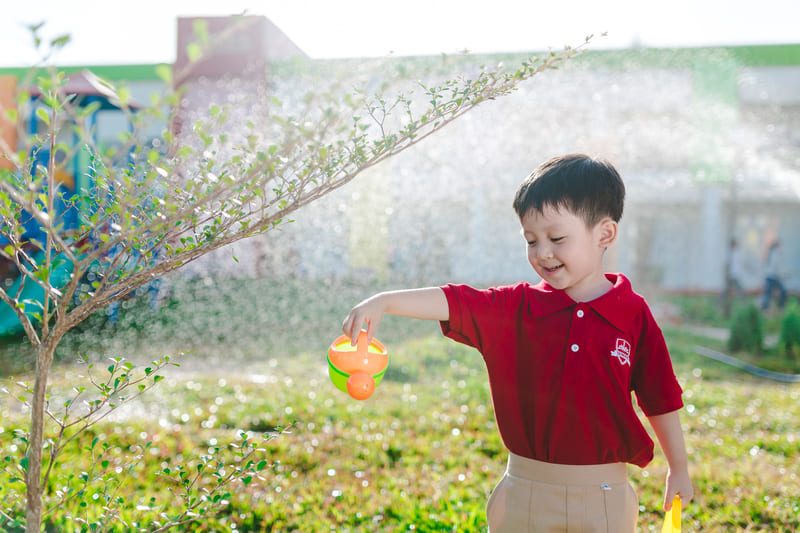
(619, 306)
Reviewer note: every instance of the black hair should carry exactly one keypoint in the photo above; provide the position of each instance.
(590, 188)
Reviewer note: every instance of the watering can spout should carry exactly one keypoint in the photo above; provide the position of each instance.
(360, 385)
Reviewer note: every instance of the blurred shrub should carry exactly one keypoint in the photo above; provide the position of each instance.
(789, 340)
(746, 330)
(700, 309)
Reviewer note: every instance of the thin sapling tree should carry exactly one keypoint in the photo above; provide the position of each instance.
(152, 208)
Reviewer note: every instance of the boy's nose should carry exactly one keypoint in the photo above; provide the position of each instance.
(544, 252)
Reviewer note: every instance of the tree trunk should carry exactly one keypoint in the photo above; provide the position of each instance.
(33, 478)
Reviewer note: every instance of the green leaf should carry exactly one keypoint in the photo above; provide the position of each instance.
(60, 41)
(200, 28)
(193, 51)
(41, 113)
(90, 109)
(11, 115)
(33, 303)
(164, 72)
(124, 95)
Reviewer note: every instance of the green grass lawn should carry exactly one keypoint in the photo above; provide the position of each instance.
(421, 455)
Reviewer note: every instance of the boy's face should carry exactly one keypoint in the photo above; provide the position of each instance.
(567, 254)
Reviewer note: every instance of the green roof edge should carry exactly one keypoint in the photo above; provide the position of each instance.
(624, 58)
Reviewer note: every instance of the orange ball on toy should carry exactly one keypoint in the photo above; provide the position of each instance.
(360, 385)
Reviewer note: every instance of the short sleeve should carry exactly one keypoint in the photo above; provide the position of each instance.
(654, 381)
(475, 315)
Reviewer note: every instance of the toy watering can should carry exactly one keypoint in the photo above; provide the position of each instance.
(357, 370)
(672, 520)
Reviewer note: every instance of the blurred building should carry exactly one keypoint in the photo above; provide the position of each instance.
(707, 140)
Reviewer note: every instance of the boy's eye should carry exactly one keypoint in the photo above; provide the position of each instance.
(531, 243)
(557, 239)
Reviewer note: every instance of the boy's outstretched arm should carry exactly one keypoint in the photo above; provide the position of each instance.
(670, 437)
(427, 304)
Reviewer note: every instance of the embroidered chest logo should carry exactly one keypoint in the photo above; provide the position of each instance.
(622, 352)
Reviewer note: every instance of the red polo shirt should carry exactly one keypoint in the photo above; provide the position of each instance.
(561, 372)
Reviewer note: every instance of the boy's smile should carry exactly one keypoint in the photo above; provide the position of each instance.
(567, 254)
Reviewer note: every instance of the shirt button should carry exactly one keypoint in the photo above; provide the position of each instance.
(574, 348)
(580, 313)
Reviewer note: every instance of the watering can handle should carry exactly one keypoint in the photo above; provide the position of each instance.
(363, 345)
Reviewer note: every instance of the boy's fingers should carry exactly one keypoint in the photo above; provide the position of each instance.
(668, 500)
(371, 327)
(358, 318)
(348, 326)
(356, 325)
(352, 332)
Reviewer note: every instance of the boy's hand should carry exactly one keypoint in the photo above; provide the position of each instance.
(678, 483)
(668, 430)
(369, 312)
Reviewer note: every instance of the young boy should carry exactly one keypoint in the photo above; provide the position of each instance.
(563, 357)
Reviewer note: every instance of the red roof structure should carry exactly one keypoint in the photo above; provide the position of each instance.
(86, 83)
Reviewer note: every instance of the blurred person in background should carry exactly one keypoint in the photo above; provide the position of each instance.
(773, 277)
(734, 272)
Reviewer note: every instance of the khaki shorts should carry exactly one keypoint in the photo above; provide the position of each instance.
(537, 497)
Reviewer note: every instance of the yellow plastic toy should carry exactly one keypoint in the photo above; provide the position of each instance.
(357, 370)
(672, 520)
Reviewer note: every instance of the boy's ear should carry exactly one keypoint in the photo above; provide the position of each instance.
(607, 232)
